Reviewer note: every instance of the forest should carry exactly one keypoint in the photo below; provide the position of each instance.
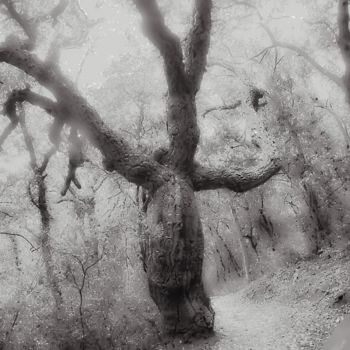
(174, 174)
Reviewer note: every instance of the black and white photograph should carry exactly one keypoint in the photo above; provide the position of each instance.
(174, 175)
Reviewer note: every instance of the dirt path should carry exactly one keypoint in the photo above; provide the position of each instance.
(296, 308)
(242, 324)
(245, 325)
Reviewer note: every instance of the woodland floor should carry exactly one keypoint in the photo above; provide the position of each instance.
(295, 308)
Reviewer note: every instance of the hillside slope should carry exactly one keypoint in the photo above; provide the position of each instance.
(295, 308)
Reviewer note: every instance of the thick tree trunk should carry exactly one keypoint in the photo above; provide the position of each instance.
(173, 248)
(183, 131)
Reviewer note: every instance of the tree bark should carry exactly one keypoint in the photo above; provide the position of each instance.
(173, 249)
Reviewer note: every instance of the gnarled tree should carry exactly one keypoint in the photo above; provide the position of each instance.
(172, 243)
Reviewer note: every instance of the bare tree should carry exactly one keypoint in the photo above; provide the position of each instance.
(79, 284)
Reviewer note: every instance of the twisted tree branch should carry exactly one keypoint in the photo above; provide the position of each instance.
(75, 110)
(237, 180)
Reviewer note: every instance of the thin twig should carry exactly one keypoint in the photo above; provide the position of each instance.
(19, 235)
(222, 108)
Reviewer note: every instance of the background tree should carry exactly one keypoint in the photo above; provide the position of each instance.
(316, 122)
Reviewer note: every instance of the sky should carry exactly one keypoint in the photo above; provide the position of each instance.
(108, 40)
